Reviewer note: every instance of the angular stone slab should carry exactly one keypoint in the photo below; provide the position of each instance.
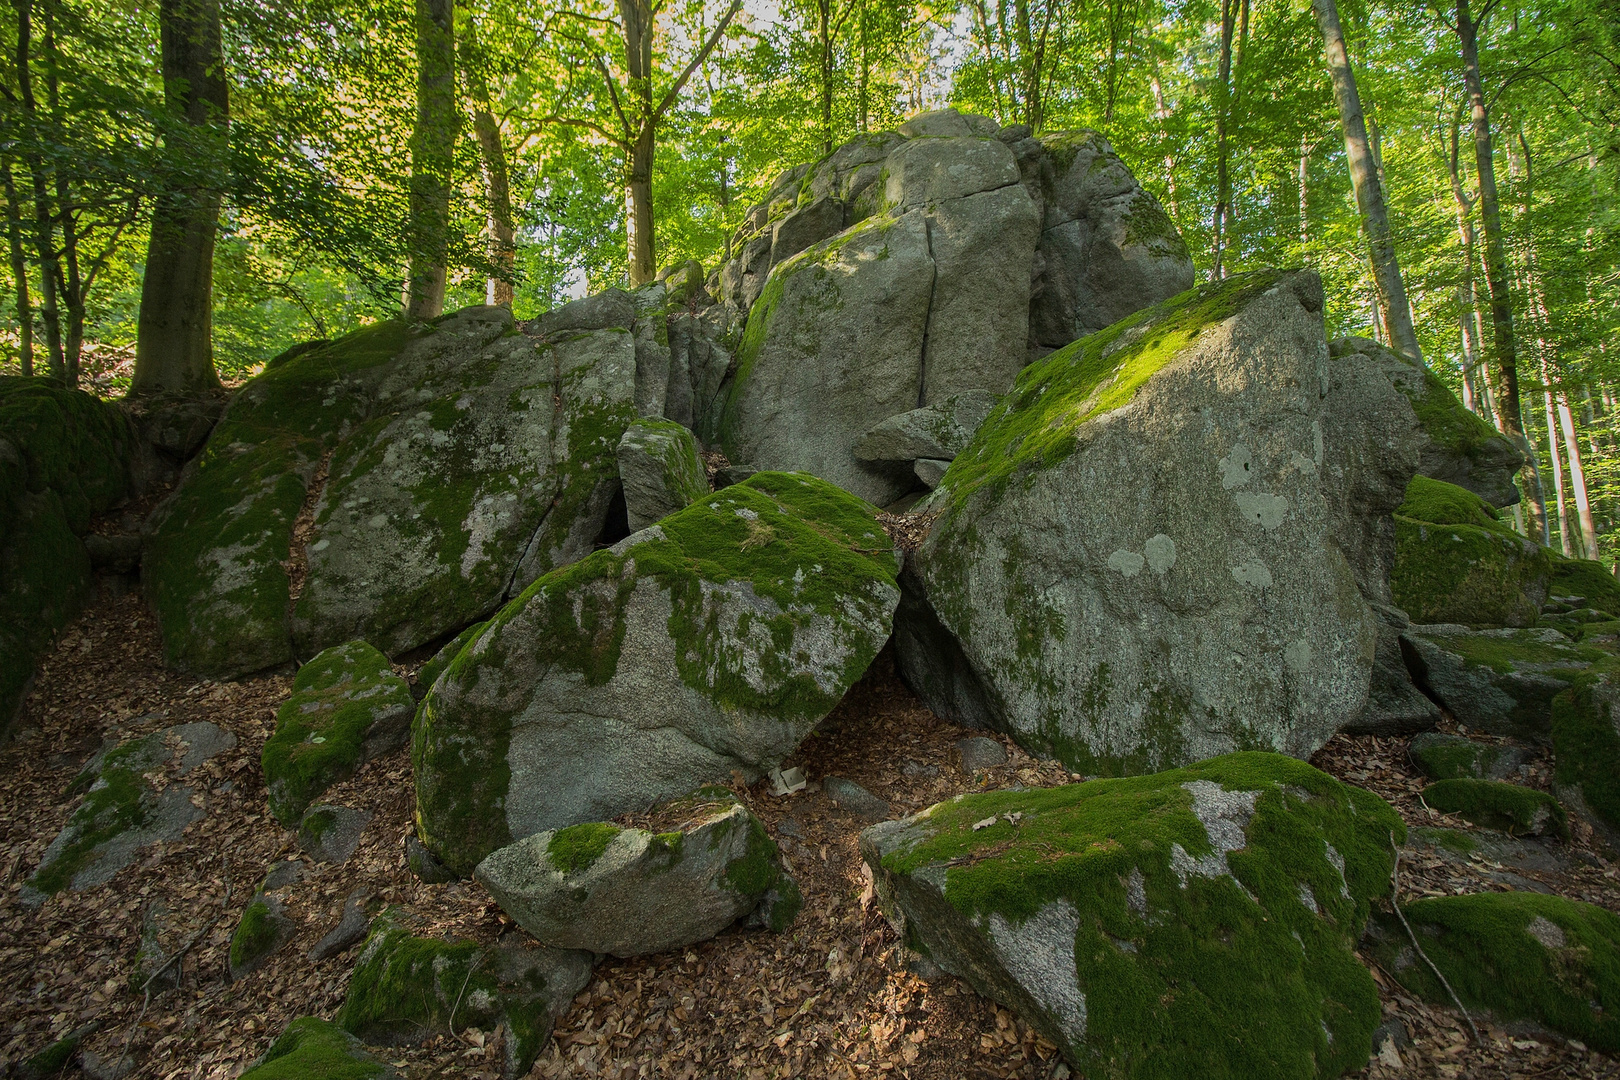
(661, 471)
(1499, 681)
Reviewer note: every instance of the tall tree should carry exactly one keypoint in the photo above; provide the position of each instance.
(433, 150)
(497, 174)
(174, 351)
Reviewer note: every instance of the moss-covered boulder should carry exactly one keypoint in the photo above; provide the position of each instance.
(1195, 922)
(1586, 747)
(330, 833)
(1499, 681)
(629, 892)
(1449, 757)
(1510, 808)
(1457, 562)
(124, 810)
(429, 673)
(406, 988)
(313, 1049)
(347, 707)
(64, 457)
(936, 432)
(1522, 955)
(1585, 586)
(461, 459)
(709, 643)
(262, 929)
(1132, 568)
(661, 471)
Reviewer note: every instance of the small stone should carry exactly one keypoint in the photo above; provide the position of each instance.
(424, 864)
(979, 753)
(330, 833)
(263, 929)
(316, 1049)
(917, 768)
(112, 1066)
(661, 471)
(855, 799)
(281, 875)
(733, 474)
(351, 928)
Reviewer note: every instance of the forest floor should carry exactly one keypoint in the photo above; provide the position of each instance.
(831, 998)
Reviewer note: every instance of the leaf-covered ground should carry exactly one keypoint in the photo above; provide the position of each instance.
(832, 998)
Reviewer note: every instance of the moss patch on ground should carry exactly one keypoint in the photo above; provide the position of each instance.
(1457, 562)
(1523, 955)
(314, 1049)
(115, 804)
(1586, 739)
(1493, 804)
(1192, 962)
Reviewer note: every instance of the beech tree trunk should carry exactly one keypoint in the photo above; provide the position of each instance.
(1364, 177)
(497, 178)
(44, 228)
(19, 275)
(433, 147)
(1223, 178)
(174, 349)
(637, 19)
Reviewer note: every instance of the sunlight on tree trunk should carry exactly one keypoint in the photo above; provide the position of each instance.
(433, 147)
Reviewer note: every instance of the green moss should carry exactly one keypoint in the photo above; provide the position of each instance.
(115, 804)
(759, 868)
(1451, 839)
(1486, 947)
(1494, 804)
(51, 1060)
(1147, 225)
(1586, 579)
(1505, 652)
(310, 1048)
(1456, 562)
(1445, 420)
(430, 671)
(1450, 759)
(785, 906)
(575, 848)
(1586, 741)
(257, 934)
(1206, 983)
(316, 824)
(321, 728)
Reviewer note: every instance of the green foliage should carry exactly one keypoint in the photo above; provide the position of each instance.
(1493, 804)
(310, 1047)
(1456, 562)
(575, 848)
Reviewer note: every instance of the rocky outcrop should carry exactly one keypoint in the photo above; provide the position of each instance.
(629, 892)
(712, 642)
(1586, 746)
(938, 432)
(1450, 757)
(1132, 566)
(1492, 804)
(1395, 706)
(1456, 562)
(661, 471)
(1501, 681)
(1203, 921)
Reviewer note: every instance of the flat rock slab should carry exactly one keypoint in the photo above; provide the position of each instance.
(330, 833)
(1447, 757)
(122, 812)
(978, 753)
(1500, 681)
(854, 799)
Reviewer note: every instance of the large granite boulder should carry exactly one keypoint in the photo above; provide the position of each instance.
(461, 460)
(1195, 922)
(710, 643)
(1499, 681)
(1133, 566)
(1457, 562)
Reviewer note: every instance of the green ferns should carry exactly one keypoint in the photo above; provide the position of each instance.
(1456, 562)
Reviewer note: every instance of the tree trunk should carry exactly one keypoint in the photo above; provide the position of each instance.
(825, 33)
(19, 274)
(502, 236)
(1397, 313)
(433, 147)
(1557, 466)
(1223, 178)
(174, 349)
(637, 18)
(1577, 478)
(44, 227)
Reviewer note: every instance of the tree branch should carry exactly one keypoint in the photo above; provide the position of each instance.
(702, 55)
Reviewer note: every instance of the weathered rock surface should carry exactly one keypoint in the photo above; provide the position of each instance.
(851, 798)
(939, 431)
(1449, 757)
(311, 1048)
(330, 833)
(661, 471)
(626, 892)
(1586, 747)
(711, 642)
(1500, 681)
(404, 988)
(122, 811)
(1455, 562)
(263, 928)
(347, 707)
(464, 459)
(1395, 706)
(1200, 921)
(351, 929)
(1133, 567)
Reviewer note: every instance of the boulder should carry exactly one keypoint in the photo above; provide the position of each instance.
(429, 673)
(699, 364)
(628, 892)
(939, 431)
(710, 643)
(407, 988)
(1132, 568)
(331, 833)
(1449, 757)
(1195, 922)
(1524, 956)
(1492, 804)
(1395, 706)
(263, 928)
(1500, 681)
(851, 798)
(351, 929)
(310, 1047)
(438, 469)
(347, 707)
(1583, 585)
(1586, 748)
(123, 811)
(661, 471)
(1456, 562)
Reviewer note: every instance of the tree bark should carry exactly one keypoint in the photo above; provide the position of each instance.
(1396, 310)
(1223, 179)
(497, 177)
(19, 274)
(174, 349)
(44, 227)
(825, 33)
(1557, 465)
(433, 147)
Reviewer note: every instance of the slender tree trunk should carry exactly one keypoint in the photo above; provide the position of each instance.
(1396, 310)
(825, 35)
(1161, 113)
(174, 349)
(70, 283)
(1577, 478)
(502, 236)
(433, 148)
(637, 19)
(19, 274)
(1223, 177)
(44, 226)
(1564, 543)
(862, 107)
(1305, 148)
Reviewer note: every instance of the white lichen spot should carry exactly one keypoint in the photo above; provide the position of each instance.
(1128, 563)
(746, 514)
(377, 521)
(1298, 656)
(1263, 509)
(1161, 553)
(1307, 896)
(1254, 572)
(1039, 954)
(1304, 464)
(1136, 891)
(1237, 468)
(1549, 933)
(320, 545)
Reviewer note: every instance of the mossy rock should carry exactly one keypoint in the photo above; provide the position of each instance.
(1597, 588)
(1457, 562)
(661, 471)
(429, 672)
(713, 641)
(407, 988)
(1492, 804)
(262, 929)
(313, 1049)
(1523, 955)
(1501, 681)
(55, 1058)
(628, 892)
(1195, 922)
(347, 707)
(1586, 747)
(1448, 757)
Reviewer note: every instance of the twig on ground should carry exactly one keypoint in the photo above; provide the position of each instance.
(146, 987)
(1395, 902)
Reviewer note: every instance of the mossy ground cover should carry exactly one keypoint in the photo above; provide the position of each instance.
(321, 729)
(1493, 804)
(1588, 580)
(1506, 652)
(315, 1049)
(1586, 742)
(1207, 982)
(1457, 562)
(1502, 951)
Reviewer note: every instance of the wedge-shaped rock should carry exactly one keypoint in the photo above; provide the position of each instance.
(626, 892)
(1493, 804)
(938, 432)
(661, 471)
(405, 989)
(714, 641)
(1500, 681)
(1452, 757)
(347, 707)
(1196, 922)
(1456, 562)
(311, 1048)
(1522, 955)
(1133, 566)
(123, 811)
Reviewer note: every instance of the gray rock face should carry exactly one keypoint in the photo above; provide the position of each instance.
(1394, 705)
(1449, 757)
(699, 366)
(122, 811)
(1501, 682)
(350, 930)
(979, 753)
(940, 431)
(711, 642)
(852, 798)
(661, 471)
(930, 471)
(625, 892)
(330, 833)
(1133, 567)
